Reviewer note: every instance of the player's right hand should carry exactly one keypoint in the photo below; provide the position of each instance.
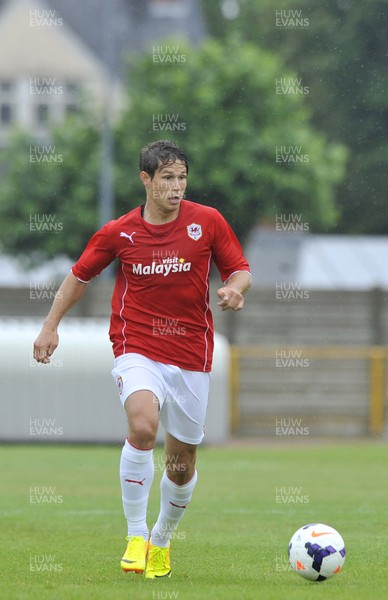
(45, 344)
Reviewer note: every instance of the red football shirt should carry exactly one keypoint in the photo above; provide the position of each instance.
(160, 303)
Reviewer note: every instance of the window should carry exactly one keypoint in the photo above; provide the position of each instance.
(6, 116)
(72, 96)
(72, 87)
(6, 86)
(7, 102)
(52, 99)
(71, 109)
(42, 114)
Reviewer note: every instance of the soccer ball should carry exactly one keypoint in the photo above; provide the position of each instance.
(316, 552)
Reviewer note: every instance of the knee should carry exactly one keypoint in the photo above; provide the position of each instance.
(142, 432)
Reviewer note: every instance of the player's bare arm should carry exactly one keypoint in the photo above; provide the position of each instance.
(70, 291)
(232, 294)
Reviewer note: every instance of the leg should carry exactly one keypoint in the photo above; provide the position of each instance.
(176, 486)
(180, 460)
(182, 414)
(142, 410)
(136, 466)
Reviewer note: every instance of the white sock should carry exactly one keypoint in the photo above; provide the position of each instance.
(136, 476)
(173, 503)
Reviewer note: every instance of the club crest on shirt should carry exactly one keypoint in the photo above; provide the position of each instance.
(194, 231)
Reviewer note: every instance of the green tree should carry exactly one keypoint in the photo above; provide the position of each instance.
(340, 54)
(218, 103)
(49, 192)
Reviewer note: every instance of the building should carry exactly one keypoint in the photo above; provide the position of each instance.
(293, 258)
(54, 55)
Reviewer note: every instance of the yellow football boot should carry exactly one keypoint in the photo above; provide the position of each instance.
(158, 562)
(134, 559)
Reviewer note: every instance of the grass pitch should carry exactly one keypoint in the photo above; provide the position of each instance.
(63, 531)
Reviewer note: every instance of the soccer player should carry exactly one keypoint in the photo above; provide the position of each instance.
(161, 329)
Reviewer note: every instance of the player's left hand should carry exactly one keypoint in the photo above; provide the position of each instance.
(230, 298)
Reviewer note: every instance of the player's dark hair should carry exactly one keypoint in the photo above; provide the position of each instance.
(162, 152)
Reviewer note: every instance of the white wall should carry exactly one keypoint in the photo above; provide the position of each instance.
(75, 399)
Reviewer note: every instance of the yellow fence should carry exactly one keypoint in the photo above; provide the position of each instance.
(375, 356)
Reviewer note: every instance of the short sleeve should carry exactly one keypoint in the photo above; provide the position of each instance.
(98, 254)
(227, 252)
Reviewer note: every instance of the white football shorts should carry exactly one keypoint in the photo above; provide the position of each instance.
(182, 395)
